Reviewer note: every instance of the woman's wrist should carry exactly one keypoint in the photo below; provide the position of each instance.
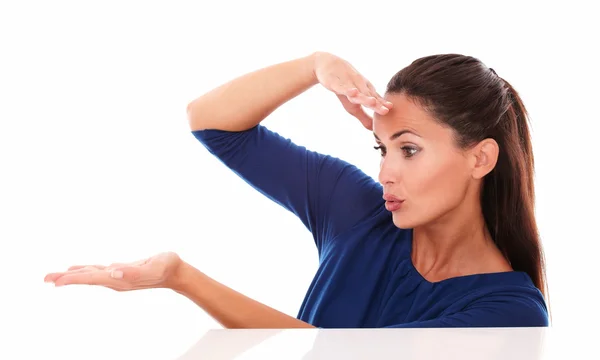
(181, 276)
(311, 63)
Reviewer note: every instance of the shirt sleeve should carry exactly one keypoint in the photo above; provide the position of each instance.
(492, 311)
(327, 194)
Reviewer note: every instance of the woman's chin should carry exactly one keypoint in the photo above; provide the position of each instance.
(403, 221)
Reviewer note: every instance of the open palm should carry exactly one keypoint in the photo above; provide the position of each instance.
(153, 272)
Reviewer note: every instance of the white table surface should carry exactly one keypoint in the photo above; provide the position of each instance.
(463, 344)
(48, 340)
(98, 325)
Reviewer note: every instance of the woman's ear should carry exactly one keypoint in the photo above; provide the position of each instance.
(485, 155)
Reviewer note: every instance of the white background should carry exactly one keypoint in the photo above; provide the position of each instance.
(97, 163)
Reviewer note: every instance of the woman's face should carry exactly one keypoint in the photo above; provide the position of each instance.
(423, 171)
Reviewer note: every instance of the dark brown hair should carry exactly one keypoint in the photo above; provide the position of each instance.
(464, 94)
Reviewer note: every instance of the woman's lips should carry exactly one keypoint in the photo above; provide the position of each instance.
(392, 203)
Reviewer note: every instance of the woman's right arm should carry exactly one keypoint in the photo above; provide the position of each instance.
(327, 194)
(246, 101)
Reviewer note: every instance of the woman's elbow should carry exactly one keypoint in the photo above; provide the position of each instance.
(194, 117)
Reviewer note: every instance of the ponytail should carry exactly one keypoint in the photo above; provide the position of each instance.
(508, 194)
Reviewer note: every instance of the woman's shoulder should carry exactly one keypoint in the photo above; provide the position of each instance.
(507, 282)
(511, 290)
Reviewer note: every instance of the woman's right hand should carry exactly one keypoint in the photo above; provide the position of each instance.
(352, 89)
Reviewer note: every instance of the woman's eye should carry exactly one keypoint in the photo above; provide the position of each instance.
(380, 148)
(409, 151)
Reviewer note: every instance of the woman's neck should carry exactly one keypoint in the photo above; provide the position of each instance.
(456, 244)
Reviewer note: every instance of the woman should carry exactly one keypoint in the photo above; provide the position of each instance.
(447, 238)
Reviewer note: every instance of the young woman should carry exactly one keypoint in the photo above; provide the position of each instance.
(446, 238)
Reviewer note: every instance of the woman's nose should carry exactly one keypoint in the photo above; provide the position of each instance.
(386, 172)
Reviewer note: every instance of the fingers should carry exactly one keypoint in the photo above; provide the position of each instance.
(379, 104)
(362, 99)
(108, 277)
(118, 278)
(102, 267)
(77, 267)
(357, 111)
(99, 277)
(52, 277)
(374, 93)
(364, 95)
(80, 269)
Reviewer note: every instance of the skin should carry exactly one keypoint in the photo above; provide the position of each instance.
(439, 184)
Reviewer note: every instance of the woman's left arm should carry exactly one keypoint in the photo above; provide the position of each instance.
(230, 308)
(167, 270)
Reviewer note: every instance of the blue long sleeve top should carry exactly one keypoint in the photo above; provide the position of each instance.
(366, 278)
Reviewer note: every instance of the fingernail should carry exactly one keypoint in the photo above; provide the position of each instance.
(117, 274)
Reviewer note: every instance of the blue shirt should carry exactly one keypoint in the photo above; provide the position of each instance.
(366, 278)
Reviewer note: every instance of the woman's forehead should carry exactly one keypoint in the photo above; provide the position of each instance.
(405, 115)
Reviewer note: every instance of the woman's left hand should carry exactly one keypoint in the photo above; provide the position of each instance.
(154, 272)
